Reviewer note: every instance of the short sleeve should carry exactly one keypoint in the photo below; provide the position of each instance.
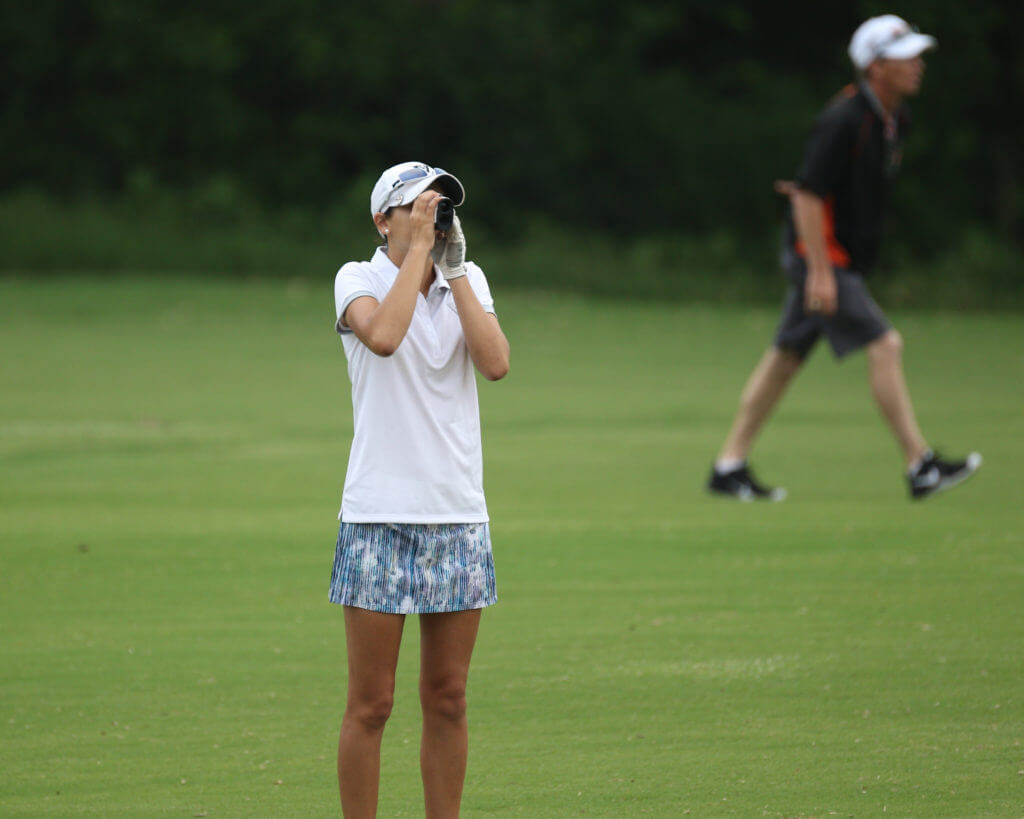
(478, 281)
(351, 282)
(827, 156)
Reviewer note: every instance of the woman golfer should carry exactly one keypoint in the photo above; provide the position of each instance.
(414, 320)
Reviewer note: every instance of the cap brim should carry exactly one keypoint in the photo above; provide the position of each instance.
(451, 187)
(910, 46)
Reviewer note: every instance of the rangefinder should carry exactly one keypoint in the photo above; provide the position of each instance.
(445, 214)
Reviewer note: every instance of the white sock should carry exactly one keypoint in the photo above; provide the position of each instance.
(723, 466)
(916, 465)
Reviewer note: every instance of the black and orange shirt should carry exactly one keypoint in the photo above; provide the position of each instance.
(852, 155)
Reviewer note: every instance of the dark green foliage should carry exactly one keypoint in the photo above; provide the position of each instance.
(622, 118)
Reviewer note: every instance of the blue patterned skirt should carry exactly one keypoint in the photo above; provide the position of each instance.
(408, 568)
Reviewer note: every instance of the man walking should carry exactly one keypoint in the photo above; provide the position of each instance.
(833, 231)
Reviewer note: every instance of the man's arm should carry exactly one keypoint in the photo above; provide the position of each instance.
(825, 163)
(809, 219)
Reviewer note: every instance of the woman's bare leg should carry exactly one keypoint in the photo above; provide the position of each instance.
(373, 640)
(446, 645)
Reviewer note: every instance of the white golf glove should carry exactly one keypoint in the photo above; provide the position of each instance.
(450, 253)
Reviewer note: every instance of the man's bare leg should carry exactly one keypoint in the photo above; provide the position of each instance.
(889, 387)
(764, 388)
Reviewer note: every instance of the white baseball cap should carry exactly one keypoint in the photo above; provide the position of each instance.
(401, 184)
(889, 37)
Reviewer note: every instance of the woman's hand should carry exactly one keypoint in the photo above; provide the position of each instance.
(421, 219)
(449, 253)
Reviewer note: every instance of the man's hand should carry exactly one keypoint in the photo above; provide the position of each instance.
(786, 187)
(450, 253)
(820, 294)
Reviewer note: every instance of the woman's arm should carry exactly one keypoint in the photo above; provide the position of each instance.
(488, 347)
(381, 325)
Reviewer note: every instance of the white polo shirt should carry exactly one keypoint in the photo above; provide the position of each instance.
(416, 455)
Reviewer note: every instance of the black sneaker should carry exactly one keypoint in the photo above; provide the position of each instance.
(740, 484)
(935, 474)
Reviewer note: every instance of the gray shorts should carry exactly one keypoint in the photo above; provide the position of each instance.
(857, 322)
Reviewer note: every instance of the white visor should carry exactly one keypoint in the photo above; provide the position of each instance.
(401, 184)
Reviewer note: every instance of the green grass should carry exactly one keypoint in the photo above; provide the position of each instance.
(171, 458)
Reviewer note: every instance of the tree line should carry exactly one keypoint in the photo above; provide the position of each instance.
(640, 117)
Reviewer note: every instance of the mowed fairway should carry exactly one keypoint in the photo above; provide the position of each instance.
(171, 460)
